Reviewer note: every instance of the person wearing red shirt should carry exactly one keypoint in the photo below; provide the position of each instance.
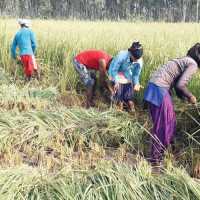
(85, 63)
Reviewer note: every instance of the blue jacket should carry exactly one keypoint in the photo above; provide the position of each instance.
(26, 41)
(122, 63)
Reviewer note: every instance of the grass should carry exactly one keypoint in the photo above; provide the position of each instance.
(53, 148)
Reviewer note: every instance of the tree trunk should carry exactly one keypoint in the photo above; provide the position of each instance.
(128, 11)
(159, 18)
(184, 10)
(197, 12)
(138, 8)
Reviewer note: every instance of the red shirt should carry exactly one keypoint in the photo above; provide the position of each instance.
(90, 58)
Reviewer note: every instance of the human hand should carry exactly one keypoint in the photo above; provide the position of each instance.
(18, 61)
(112, 97)
(112, 91)
(112, 94)
(116, 86)
(192, 100)
(137, 87)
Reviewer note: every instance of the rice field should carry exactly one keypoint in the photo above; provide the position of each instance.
(51, 147)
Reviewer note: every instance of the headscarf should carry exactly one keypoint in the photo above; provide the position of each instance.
(24, 22)
(136, 50)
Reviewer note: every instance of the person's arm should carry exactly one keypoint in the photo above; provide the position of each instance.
(13, 47)
(181, 85)
(180, 95)
(115, 70)
(183, 98)
(33, 41)
(136, 74)
(102, 72)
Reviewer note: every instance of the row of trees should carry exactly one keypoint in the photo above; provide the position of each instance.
(148, 10)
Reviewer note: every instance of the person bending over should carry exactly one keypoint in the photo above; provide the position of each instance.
(85, 63)
(124, 71)
(174, 74)
(26, 41)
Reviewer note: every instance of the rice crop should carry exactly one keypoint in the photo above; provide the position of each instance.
(13, 98)
(114, 183)
(73, 153)
(53, 148)
(61, 40)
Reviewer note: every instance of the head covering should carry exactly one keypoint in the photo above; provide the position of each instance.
(24, 22)
(136, 50)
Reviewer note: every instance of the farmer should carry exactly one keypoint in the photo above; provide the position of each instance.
(175, 74)
(25, 39)
(124, 71)
(84, 64)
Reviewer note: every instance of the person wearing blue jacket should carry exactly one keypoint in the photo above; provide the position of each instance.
(124, 71)
(26, 41)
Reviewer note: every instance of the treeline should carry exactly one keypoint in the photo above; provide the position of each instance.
(147, 10)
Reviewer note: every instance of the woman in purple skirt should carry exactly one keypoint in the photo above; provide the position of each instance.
(174, 74)
(124, 71)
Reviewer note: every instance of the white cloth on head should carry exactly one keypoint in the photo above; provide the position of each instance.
(25, 22)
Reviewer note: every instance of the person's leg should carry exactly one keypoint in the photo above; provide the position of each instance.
(90, 94)
(131, 105)
(38, 75)
(119, 96)
(27, 79)
(36, 68)
(164, 125)
(120, 105)
(128, 95)
(88, 78)
(25, 61)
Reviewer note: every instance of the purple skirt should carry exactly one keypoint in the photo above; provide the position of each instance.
(125, 92)
(164, 125)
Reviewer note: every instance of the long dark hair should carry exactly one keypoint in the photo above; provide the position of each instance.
(194, 52)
